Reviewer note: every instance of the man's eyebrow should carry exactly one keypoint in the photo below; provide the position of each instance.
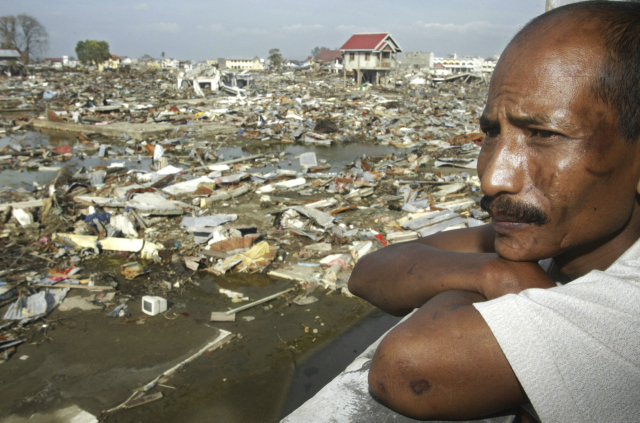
(531, 120)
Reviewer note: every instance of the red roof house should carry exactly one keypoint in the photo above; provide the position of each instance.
(371, 57)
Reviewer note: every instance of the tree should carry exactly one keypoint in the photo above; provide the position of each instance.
(275, 58)
(146, 57)
(25, 34)
(162, 54)
(92, 51)
(317, 50)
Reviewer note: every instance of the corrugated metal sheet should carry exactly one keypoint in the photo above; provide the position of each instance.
(37, 305)
(9, 54)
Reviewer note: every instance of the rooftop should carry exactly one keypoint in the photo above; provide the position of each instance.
(328, 55)
(373, 42)
(4, 53)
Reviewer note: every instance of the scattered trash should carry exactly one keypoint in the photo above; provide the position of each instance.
(221, 316)
(153, 305)
(131, 270)
(121, 311)
(187, 174)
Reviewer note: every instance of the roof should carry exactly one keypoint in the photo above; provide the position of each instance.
(328, 55)
(371, 42)
(9, 54)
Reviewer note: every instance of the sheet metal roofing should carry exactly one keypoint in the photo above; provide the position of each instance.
(9, 53)
(364, 41)
(372, 42)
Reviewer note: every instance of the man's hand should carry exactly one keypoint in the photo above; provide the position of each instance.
(501, 277)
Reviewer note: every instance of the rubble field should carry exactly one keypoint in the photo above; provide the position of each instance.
(177, 252)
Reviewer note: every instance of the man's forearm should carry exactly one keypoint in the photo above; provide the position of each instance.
(403, 277)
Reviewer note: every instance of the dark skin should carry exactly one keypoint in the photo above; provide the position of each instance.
(548, 145)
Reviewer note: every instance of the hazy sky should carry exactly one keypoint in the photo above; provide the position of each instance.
(207, 29)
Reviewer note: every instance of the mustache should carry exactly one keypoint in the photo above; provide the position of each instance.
(507, 206)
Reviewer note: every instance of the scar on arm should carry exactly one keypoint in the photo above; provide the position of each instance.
(410, 271)
(420, 387)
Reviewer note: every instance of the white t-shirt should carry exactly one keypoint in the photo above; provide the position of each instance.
(575, 348)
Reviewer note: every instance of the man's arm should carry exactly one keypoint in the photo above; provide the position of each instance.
(403, 277)
(478, 239)
(444, 363)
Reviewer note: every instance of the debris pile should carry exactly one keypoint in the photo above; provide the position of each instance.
(163, 202)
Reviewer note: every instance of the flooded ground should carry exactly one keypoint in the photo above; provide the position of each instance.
(336, 155)
(275, 363)
(400, 165)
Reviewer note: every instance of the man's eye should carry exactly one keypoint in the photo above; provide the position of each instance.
(492, 133)
(544, 134)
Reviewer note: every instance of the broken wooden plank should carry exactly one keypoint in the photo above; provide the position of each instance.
(21, 205)
(70, 285)
(143, 400)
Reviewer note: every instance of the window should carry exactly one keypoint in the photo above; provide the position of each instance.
(367, 56)
(352, 56)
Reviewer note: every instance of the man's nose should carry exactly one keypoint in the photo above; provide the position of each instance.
(502, 169)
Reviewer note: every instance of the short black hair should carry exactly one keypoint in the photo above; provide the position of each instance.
(617, 83)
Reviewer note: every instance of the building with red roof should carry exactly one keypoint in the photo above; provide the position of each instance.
(371, 57)
(331, 59)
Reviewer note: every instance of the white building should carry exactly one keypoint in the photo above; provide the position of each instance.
(245, 64)
(466, 64)
(417, 60)
(170, 64)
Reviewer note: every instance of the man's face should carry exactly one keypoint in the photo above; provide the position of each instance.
(560, 178)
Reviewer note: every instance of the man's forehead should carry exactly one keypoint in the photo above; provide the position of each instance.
(546, 73)
(580, 42)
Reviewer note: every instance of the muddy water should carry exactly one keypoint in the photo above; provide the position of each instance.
(274, 364)
(337, 155)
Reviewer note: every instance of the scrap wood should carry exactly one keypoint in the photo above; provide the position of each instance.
(342, 209)
(467, 138)
(134, 402)
(21, 205)
(70, 285)
(258, 302)
(223, 338)
(42, 257)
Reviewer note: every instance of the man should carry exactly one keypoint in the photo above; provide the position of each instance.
(542, 306)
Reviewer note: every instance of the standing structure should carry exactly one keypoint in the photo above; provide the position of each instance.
(417, 60)
(371, 56)
(332, 59)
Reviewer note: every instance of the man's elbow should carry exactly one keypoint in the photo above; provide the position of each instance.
(358, 280)
(398, 382)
